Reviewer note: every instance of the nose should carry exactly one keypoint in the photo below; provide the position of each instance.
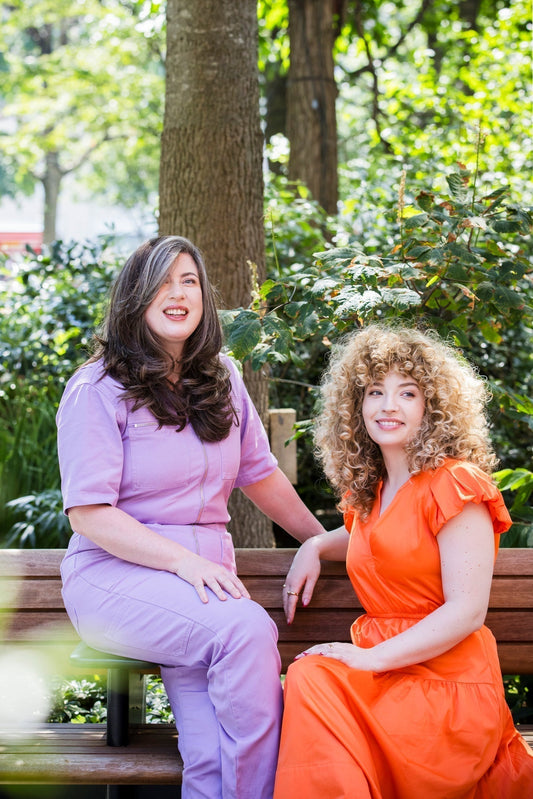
(389, 402)
(176, 290)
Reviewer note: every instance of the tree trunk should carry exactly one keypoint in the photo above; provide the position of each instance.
(311, 94)
(211, 180)
(51, 181)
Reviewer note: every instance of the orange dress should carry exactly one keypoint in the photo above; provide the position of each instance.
(435, 730)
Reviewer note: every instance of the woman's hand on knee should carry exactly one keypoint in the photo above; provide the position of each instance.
(202, 573)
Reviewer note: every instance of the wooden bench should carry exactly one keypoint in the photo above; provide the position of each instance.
(33, 622)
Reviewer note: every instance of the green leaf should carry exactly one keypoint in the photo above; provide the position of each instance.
(325, 285)
(490, 331)
(462, 252)
(267, 287)
(457, 272)
(243, 334)
(437, 255)
(338, 254)
(401, 298)
(513, 479)
(457, 187)
(426, 200)
(506, 226)
(415, 221)
(496, 194)
(274, 293)
(420, 253)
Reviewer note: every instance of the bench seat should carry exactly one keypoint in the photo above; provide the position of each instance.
(33, 620)
(78, 754)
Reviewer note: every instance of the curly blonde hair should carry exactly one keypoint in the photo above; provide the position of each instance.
(454, 423)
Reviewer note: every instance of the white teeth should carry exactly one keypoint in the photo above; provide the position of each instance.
(384, 423)
(175, 312)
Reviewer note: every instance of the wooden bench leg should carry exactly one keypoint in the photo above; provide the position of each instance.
(117, 707)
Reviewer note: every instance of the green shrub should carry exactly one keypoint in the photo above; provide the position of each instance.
(49, 306)
(40, 521)
(457, 262)
(85, 700)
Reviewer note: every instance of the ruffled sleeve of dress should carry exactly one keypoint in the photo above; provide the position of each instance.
(457, 483)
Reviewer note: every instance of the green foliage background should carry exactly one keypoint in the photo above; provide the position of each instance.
(434, 226)
(434, 118)
(460, 264)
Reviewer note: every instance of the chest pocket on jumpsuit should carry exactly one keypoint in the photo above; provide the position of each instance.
(159, 456)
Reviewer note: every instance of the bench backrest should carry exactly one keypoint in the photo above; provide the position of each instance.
(32, 609)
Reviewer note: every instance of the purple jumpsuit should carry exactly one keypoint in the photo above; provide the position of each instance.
(219, 661)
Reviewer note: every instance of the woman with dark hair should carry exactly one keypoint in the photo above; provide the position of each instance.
(414, 707)
(154, 432)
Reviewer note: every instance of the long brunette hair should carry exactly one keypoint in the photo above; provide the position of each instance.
(134, 356)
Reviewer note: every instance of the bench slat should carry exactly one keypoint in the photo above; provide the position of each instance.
(32, 593)
(45, 595)
(34, 626)
(78, 754)
(24, 563)
(34, 608)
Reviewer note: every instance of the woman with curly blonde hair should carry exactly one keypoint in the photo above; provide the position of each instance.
(414, 706)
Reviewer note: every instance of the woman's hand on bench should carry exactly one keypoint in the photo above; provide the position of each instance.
(303, 574)
(305, 569)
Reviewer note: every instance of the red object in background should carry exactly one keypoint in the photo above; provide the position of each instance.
(13, 243)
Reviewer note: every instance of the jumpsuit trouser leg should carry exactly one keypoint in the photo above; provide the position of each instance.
(219, 663)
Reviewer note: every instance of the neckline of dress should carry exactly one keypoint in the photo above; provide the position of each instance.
(380, 513)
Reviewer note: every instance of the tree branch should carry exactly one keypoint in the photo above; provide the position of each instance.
(376, 111)
(84, 156)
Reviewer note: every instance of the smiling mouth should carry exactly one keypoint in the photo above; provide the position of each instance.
(389, 424)
(176, 312)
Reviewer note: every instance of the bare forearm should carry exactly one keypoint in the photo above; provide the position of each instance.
(332, 545)
(128, 539)
(305, 568)
(430, 637)
(125, 537)
(277, 499)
